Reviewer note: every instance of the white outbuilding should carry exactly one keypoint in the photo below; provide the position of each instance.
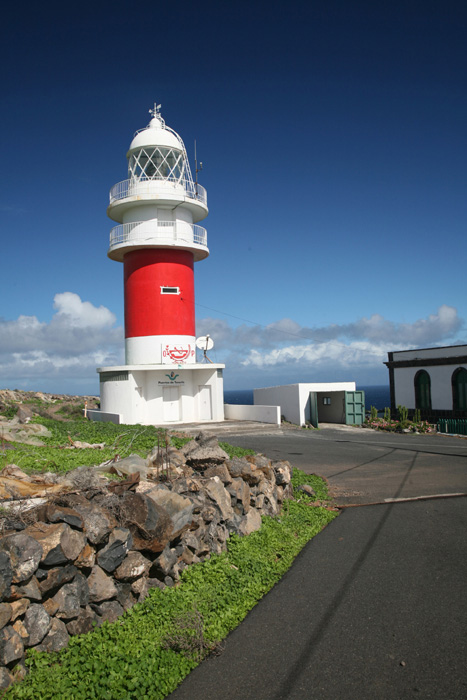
(316, 402)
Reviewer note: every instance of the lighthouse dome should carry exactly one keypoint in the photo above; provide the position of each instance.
(156, 134)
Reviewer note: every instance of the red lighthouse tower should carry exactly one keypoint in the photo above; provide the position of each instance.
(158, 239)
(158, 208)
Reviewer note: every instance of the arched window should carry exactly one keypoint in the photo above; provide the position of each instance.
(422, 390)
(459, 389)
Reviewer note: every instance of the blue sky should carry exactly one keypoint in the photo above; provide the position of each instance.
(334, 147)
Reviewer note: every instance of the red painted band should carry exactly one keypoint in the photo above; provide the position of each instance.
(147, 311)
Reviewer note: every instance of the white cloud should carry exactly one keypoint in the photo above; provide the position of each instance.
(75, 313)
(78, 338)
(360, 347)
(425, 331)
(354, 354)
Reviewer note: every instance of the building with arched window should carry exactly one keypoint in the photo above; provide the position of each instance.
(433, 380)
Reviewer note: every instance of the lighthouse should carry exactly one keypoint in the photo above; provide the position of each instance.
(158, 238)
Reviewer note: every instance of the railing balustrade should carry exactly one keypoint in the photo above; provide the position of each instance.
(131, 188)
(147, 230)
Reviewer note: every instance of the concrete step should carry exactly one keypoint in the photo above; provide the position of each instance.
(227, 427)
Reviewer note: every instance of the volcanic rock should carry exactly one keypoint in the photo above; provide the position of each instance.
(25, 554)
(112, 555)
(57, 637)
(11, 646)
(101, 586)
(60, 544)
(37, 622)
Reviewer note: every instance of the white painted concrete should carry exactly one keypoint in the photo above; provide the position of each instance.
(101, 417)
(441, 385)
(156, 134)
(146, 393)
(262, 414)
(160, 349)
(294, 400)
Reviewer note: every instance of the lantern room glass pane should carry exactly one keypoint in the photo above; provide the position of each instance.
(156, 164)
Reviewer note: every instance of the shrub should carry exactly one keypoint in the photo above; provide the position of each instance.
(9, 411)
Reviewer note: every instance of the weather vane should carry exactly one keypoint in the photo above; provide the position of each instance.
(156, 110)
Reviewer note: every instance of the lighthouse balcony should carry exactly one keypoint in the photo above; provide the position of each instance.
(169, 191)
(158, 234)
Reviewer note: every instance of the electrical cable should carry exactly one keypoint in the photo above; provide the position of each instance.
(276, 330)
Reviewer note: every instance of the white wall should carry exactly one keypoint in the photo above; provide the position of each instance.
(140, 398)
(116, 395)
(286, 397)
(96, 415)
(441, 385)
(263, 414)
(208, 376)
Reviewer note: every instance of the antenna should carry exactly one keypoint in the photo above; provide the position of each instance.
(155, 111)
(205, 343)
(197, 170)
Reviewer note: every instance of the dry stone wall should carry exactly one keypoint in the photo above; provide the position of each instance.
(86, 555)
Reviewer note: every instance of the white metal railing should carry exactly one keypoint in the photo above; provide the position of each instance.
(152, 230)
(168, 185)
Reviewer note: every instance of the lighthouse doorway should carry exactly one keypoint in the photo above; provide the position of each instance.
(171, 403)
(205, 407)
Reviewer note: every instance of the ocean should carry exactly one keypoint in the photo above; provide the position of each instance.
(374, 396)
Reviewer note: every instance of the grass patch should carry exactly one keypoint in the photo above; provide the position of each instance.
(119, 439)
(318, 485)
(234, 451)
(149, 651)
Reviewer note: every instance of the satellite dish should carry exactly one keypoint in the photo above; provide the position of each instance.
(204, 342)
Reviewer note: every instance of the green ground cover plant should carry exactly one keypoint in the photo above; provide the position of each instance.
(9, 411)
(148, 652)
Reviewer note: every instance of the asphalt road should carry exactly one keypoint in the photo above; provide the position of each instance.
(375, 606)
(364, 466)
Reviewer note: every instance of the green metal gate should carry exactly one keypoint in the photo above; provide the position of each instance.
(354, 402)
(314, 409)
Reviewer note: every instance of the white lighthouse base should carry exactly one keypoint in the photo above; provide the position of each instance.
(161, 394)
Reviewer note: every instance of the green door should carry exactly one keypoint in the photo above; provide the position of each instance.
(314, 409)
(422, 390)
(459, 389)
(354, 407)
